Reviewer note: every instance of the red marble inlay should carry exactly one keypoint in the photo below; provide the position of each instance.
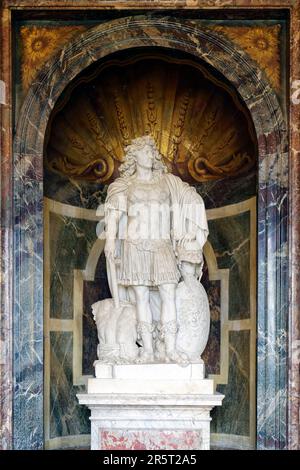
(119, 439)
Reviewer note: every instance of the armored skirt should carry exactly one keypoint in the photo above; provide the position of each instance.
(148, 263)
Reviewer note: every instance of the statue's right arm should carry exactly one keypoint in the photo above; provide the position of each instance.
(115, 206)
(112, 222)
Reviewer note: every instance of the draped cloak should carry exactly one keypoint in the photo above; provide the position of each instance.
(188, 213)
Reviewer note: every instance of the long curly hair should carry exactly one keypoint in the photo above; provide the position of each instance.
(128, 167)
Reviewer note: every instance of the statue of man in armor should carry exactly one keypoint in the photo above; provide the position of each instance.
(154, 225)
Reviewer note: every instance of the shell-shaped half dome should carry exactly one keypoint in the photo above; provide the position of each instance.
(201, 128)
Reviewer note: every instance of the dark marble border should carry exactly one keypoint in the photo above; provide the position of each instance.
(272, 192)
(6, 253)
(294, 235)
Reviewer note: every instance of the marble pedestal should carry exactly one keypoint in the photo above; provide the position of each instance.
(150, 406)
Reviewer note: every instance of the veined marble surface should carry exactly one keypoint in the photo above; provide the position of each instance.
(230, 252)
(135, 418)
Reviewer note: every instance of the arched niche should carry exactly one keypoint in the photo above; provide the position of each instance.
(261, 101)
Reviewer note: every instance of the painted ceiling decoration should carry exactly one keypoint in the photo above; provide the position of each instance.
(199, 125)
(40, 43)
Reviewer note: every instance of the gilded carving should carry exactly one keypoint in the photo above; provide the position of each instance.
(152, 124)
(121, 120)
(179, 126)
(198, 124)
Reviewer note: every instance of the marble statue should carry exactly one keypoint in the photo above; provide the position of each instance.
(155, 228)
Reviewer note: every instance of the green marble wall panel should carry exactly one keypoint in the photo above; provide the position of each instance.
(211, 354)
(233, 417)
(230, 238)
(71, 240)
(92, 292)
(70, 243)
(66, 416)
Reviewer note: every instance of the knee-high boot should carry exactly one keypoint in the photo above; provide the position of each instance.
(168, 333)
(145, 332)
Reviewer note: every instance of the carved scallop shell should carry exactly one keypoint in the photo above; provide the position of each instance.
(200, 126)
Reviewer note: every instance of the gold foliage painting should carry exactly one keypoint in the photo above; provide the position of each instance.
(262, 43)
(39, 44)
(200, 127)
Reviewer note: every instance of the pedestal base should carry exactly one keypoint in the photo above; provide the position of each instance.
(165, 407)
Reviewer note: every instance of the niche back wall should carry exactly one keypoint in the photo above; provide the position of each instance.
(207, 138)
